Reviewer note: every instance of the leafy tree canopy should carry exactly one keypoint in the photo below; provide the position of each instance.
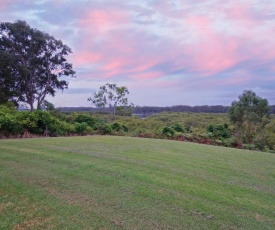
(112, 96)
(31, 64)
(247, 113)
(249, 107)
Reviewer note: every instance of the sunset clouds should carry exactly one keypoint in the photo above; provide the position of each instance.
(166, 52)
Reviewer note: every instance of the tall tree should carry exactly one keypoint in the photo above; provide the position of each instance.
(112, 96)
(247, 113)
(8, 84)
(33, 64)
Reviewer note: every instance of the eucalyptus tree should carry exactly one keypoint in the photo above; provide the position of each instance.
(248, 113)
(111, 96)
(33, 63)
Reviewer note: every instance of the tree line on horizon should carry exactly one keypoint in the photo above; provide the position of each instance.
(149, 110)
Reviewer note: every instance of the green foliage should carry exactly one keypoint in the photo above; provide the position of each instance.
(81, 128)
(247, 114)
(48, 106)
(9, 125)
(119, 127)
(125, 110)
(269, 134)
(106, 129)
(249, 108)
(102, 127)
(112, 96)
(84, 117)
(31, 63)
(60, 128)
(177, 128)
(100, 123)
(188, 128)
(168, 131)
(220, 131)
(35, 122)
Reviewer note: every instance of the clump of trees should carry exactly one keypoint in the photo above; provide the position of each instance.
(249, 114)
(114, 98)
(31, 64)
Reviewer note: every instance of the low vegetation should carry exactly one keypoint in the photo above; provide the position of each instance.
(108, 182)
(215, 129)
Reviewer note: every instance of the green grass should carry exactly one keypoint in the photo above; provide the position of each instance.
(107, 182)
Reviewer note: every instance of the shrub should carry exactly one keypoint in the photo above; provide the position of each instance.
(60, 128)
(188, 128)
(100, 123)
(35, 122)
(106, 129)
(168, 131)
(178, 128)
(119, 127)
(84, 117)
(269, 134)
(218, 131)
(80, 128)
(232, 142)
(9, 125)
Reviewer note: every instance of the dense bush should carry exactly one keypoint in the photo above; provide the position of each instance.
(85, 117)
(81, 127)
(35, 122)
(206, 128)
(177, 128)
(9, 125)
(269, 134)
(220, 131)
(60, 128)
(106, 129)
(168, 131)
(119, 127)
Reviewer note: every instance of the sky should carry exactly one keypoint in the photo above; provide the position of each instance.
(166, 52)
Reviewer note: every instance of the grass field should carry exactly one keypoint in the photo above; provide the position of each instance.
(107, 182)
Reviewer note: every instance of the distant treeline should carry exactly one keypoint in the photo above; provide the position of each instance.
(155, 109)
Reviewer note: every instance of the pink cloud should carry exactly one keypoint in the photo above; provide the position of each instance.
(146, 76)
(85, 57)
(114, 64)
(102, 20)
(4, 4)
(110, 42)
(153, 84)
(214, 54)
(201, 23)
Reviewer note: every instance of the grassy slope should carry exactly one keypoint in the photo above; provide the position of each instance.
(102, 182)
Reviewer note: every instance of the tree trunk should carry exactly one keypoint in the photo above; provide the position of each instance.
(31, 105)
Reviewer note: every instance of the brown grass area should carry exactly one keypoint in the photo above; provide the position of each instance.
(2, 207)
(34, 224)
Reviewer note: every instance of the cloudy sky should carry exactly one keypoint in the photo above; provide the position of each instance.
(167, 52)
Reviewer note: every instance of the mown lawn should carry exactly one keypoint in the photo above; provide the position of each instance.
(108, 182)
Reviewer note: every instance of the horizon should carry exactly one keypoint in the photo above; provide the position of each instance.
(165, 52)
(151, 106)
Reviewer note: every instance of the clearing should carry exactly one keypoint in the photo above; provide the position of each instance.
(108, 182)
